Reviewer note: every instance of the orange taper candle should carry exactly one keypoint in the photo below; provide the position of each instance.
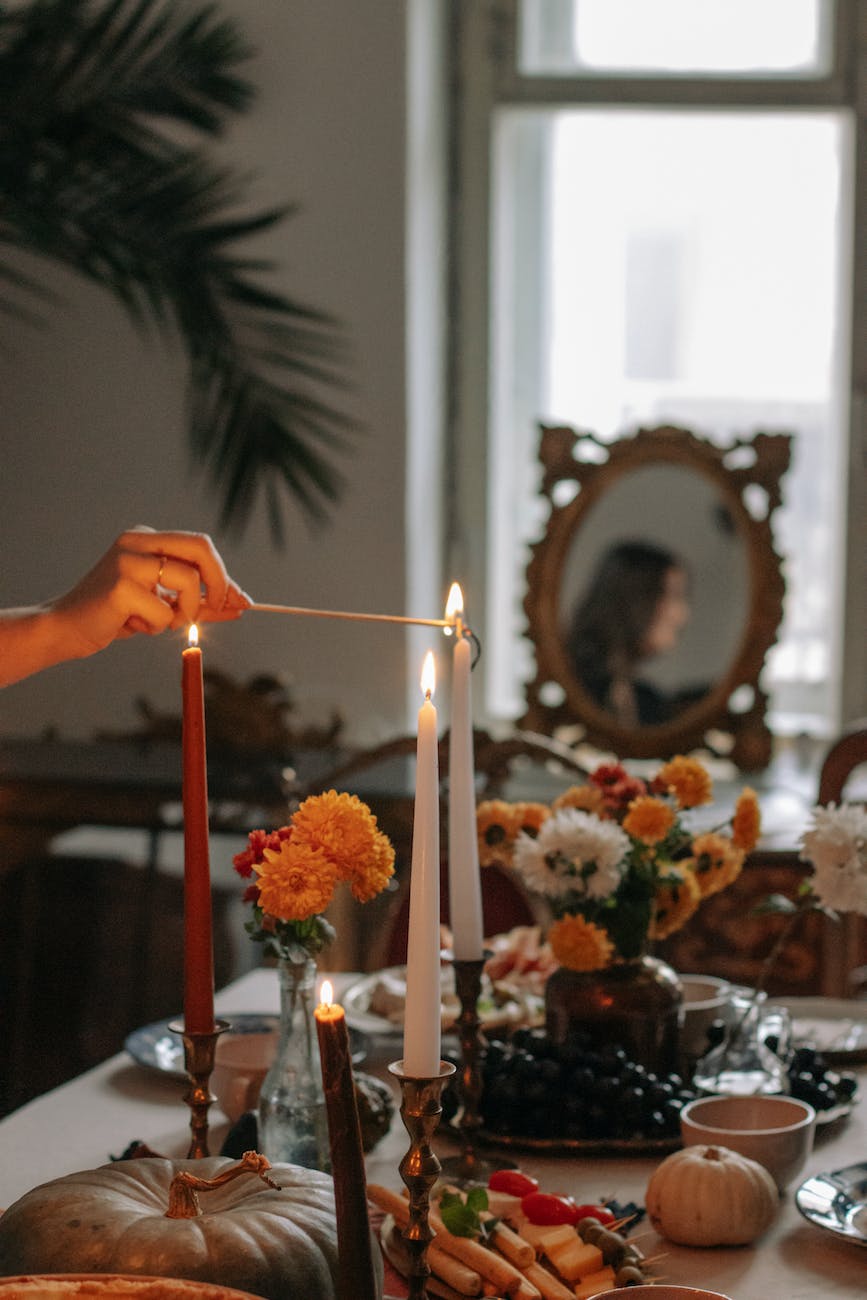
(356, 1274)
(198, 942)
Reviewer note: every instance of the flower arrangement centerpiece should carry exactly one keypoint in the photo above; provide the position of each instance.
(293, 873)
(619, 866)
(616, 859)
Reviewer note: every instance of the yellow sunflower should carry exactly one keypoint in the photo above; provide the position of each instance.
(687, 780)
(716, 862)
(295, 881)
(648, 819)
(530, 817)
(339, 825)
(496, 827)
(578, 944)
(677, 897)
(587, 798)
(747, 821)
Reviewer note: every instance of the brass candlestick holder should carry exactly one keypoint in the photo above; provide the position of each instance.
(420, 1110)
(199, 1050)
(469, 1167)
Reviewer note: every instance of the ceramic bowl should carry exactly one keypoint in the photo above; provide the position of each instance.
(664, 1291)
(776, 1131)
(241, 1062)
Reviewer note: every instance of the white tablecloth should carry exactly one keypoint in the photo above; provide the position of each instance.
(98, 1114)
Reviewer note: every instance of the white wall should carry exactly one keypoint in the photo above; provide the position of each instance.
(91, 414)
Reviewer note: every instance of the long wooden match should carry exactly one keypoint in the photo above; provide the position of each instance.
(342, 613)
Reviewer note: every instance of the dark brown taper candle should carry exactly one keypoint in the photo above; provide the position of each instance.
(357, 1277)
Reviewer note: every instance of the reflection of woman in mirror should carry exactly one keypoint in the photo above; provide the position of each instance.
(634, 608)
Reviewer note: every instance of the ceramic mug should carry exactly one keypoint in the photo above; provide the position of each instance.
(241, 1062)
(705, 999)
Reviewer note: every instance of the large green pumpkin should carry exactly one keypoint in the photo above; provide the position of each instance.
(280, 1244)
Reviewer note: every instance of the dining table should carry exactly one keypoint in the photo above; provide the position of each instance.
(97, 1116)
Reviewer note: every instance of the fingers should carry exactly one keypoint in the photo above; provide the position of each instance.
(192, 560)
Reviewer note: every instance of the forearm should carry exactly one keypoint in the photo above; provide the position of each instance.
(30, 640)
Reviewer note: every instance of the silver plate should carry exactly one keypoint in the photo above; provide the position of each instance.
(157, 1048)
(837, 1202)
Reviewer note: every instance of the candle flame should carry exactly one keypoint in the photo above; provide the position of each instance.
(428, 675)
(193, 635)
(455, 602)
(326, 993)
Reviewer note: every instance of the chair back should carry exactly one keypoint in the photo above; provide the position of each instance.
(841, 760)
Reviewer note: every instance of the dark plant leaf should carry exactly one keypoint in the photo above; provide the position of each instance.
(98, 102)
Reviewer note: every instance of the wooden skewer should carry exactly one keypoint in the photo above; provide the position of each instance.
(260, 608)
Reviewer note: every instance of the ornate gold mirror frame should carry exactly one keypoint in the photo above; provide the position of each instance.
(746, 473)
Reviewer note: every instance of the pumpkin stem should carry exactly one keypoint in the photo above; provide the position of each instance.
(711, 1153)
(185, 1186)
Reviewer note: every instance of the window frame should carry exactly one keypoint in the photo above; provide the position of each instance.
(485, 77)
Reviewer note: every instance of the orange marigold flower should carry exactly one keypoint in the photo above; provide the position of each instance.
(530, 817)
(716, 862)
(747, 821)
(677, 896)
(295, 881)
(648, 819)
(496, 827)
(688, 780)
(339, 825)
(587, 798)
(375, 871)
(578, 944)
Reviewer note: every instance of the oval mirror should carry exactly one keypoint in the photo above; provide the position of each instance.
(655, 592)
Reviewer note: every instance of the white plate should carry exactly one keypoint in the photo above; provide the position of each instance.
(356, 1001)
(837, 1202)
(836, 1026)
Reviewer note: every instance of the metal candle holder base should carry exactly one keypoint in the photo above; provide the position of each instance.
(199, 1050)
(469, 1167)
(420, 1111)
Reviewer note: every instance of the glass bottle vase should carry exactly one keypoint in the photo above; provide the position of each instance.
(293, 1125)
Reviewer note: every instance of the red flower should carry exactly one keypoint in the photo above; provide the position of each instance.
(617, 786)
(258, 842)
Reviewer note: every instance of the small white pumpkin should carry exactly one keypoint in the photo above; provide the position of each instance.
(710, 1196)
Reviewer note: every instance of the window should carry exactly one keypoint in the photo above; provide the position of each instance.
(673, 256)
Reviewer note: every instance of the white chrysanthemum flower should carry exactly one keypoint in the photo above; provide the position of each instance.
(836, 845)
(574, 852)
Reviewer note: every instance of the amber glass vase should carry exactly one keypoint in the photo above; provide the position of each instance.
(634, 1004)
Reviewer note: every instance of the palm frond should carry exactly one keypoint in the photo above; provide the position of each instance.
(89, 178)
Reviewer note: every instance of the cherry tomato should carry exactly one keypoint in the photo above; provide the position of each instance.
(543, 1208)
(605, 1217)
(513, 1182)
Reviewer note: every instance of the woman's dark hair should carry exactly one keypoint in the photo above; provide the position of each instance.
(611, 619)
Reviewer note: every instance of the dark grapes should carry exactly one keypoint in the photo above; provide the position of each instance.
(533, 1087)
(812, 1081)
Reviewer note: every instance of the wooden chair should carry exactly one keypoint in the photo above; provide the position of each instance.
(841, 760)
(375, 936)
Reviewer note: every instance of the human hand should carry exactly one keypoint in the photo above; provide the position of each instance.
(146, 582)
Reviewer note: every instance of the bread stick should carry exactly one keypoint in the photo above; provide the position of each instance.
(492, 1266)
(509, 1243)
(546, 1284)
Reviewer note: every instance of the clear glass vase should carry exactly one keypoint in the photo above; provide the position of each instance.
(293, 1125)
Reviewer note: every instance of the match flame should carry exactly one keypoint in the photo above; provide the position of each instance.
(455, 602)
